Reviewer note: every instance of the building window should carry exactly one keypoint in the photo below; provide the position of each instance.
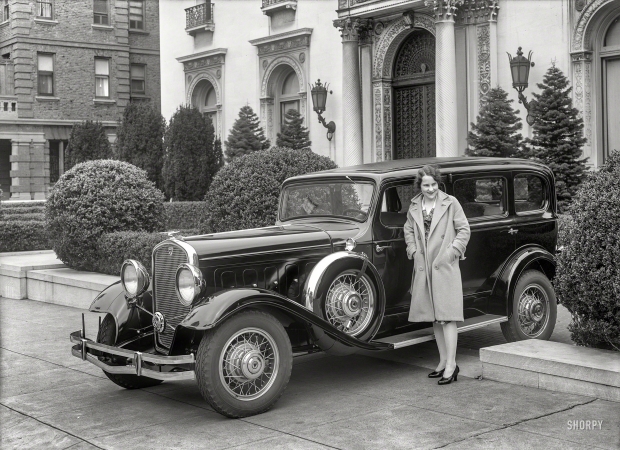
(138, 79)
(102, 77)
(57, 159)
(136, 15)
(289, 96)
(45, 74)
(100, 10)
(5, 10)
(44, 9)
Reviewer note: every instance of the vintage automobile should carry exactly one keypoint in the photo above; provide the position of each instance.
(232, 309)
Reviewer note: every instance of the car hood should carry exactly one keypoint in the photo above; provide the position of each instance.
(272, 239)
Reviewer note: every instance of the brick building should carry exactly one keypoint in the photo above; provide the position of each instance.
(61, 62)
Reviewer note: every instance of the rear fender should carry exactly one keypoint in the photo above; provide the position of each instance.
(523, 259)
(217, 308)
(112, 301)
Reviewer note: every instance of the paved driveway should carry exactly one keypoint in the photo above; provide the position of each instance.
(49, 399)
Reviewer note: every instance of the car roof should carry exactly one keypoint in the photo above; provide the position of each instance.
(404, 167)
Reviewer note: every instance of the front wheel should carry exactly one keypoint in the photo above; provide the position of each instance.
(534, 309)
(244, 365)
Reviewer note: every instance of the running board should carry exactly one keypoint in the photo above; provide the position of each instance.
(427, 334)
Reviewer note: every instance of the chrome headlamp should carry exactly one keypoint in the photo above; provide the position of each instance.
(134, 277)
(189, 283)
(350, 244)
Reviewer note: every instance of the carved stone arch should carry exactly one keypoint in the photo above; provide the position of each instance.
(390, 40)
(268, 83)
(197, 79)
(211, 78)
(586, 77)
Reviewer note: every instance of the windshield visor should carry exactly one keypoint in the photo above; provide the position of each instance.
(327, 199)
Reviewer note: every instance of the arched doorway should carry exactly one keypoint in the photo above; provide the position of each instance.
(413, 84)
(610, 71)
(204, 98)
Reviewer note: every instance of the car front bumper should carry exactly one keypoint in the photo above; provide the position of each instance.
(159, 367)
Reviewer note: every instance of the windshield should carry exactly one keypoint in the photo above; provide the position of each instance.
(330, 198)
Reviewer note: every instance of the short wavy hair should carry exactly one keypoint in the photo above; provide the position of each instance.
(428, 170)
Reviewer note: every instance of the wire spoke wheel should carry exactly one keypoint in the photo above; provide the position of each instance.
(350, 302)
(533, 310)
(249, 364)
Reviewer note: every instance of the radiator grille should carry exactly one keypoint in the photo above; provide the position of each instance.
(166, 301)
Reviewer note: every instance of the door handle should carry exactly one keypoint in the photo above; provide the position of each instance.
(380, 248)
(513, 231)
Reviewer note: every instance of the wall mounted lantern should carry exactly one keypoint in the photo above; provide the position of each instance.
(520, 70)
(319, 99)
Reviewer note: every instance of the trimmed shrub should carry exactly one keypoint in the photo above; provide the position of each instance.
(88, 141)
(98, 197)
(140, 139)
(17, 214)
(185, 215)
(114, 248)
(190, 161)
(23, 235)
(587, 278)
(245, 193)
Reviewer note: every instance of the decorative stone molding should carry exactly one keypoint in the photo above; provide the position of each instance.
(266, 81)
(211, 58)
(478, 11)
(351, 28)
(444, 10)
(582, 30)
(484, 61)
(283, 42)
(211, 76)
(391, 38)
(582, 93)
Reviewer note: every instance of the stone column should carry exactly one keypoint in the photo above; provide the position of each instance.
(266, 115)
(582, 97)
(445, 77)
(353, 152)
(366, 35)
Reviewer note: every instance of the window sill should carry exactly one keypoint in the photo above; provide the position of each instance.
(47, 98)
(136, 31)
(5, 23)
(45, 21)
(101, 27)
(141, 96)
(104, 101)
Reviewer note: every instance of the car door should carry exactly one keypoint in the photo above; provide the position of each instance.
(389, 254)
(484, 198)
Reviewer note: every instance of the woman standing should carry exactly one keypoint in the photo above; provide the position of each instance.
(437, 233)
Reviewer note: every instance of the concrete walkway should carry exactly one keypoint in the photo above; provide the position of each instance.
(49, 399)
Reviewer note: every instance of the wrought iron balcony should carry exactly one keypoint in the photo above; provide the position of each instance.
(199, 18)
(270, 6)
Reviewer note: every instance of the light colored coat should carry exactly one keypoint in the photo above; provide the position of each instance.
(436, 288)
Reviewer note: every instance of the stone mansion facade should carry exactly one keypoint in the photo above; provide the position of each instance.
(406, 76)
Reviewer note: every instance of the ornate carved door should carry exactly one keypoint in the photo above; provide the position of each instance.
(414, 97)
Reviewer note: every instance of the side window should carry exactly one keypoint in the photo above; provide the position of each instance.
(529, 193)
(481, 197)
(395, 203)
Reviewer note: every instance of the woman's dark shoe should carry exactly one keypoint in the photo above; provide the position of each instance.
(435, 374)
(448, 380)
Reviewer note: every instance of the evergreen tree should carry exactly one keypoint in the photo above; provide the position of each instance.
(140, 139)
(294, 135)
(88, 141)
(496, 131)
(246, 135)
(558, 135)
(190, 160)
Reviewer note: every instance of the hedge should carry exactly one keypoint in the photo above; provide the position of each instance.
(184, 215)
(587, 280)
(9, 215)
(114, 248)
(98, 197)
(23, 235)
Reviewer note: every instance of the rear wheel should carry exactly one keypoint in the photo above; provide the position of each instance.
(534, 309)
(244, 365)
(107, 336)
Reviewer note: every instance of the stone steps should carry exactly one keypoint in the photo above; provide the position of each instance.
(554, 366)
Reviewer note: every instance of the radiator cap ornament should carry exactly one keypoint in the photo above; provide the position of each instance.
(159, 322)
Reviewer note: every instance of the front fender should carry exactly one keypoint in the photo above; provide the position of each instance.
(218, 307)
(520, 261)
(112, 301)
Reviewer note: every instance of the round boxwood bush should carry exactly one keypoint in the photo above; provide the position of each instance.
(244, 194)
(97, 197)
(588, 274)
